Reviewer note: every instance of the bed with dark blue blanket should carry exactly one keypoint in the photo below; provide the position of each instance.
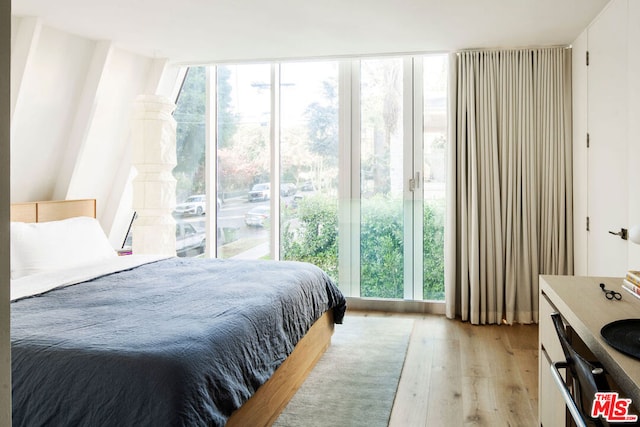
(176, 342)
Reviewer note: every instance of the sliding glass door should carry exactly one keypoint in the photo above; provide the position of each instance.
(403, 139)
(337, 163)
(381, 179)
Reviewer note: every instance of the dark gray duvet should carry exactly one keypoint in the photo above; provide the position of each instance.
(172, 343)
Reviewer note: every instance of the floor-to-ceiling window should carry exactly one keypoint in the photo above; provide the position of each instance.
(435, 125)
(309, 163)
(243, 160)
(190, 169)
(288, 174)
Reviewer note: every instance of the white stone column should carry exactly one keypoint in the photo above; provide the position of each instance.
(153, 135)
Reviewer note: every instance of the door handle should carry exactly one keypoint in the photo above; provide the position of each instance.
(414, 183)
(623, 233)
(566, 394)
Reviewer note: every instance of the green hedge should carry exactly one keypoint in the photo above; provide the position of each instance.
(311, 234)
(315, 239)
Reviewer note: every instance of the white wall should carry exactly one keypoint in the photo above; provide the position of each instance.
(44, 110)
(71, 109)
(106, 144)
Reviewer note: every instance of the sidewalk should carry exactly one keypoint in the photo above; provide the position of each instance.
(256, 252)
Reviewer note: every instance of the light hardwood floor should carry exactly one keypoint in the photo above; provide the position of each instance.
(457, 374)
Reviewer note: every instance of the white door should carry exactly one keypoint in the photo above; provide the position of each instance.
(607, 154)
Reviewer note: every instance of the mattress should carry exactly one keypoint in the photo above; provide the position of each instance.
(173, 342)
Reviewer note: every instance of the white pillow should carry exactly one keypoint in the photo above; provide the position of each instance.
(55, 245)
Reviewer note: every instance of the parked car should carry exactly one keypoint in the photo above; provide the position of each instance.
(189, 238)
(308, 186)
(260, 192)
(258, 216)
(194, 205)
(288, 189)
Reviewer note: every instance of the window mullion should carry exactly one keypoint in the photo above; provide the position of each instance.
(344, 177)
(418, 166)
(349, 178)
(211, 170)
(356, 142)
(275, 161)
(409, 188)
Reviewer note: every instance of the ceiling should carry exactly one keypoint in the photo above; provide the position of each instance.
(196, 31)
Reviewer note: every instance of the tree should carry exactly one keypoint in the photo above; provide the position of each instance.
(190, 116)
(391, 87)
(243, 162)
(323, 123)
(227, 119)
(190, 133)
(381, 111)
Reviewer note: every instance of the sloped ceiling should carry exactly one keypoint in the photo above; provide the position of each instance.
(196, 31)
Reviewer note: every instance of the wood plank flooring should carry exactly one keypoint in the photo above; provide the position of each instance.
(457, 374)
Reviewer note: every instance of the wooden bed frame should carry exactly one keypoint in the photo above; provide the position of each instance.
(263, 408)
(271, 398)
(53, 210)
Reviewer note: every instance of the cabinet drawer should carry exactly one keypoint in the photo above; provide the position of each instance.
(547, 332)
(551, 406)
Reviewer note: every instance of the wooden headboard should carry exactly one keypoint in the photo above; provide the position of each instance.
(52, 210)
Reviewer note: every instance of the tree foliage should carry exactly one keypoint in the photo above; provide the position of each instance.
(381, 113)
(323, 123)
(227, 118)
(190, 133)
(190, 116)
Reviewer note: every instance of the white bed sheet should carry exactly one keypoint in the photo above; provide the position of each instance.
(42, 282)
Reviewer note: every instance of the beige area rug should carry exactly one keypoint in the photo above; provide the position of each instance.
(355, 381)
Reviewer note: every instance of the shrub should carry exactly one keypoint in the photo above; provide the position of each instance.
(433, 252)
(381, 248)
(312, 236)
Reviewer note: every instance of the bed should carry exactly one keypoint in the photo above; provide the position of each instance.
(99, 339)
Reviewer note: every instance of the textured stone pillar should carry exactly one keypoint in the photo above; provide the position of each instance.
(153, 134)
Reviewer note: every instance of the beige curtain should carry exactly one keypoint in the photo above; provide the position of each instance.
(511, 194)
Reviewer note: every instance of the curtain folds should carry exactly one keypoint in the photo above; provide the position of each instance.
(511, 194)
